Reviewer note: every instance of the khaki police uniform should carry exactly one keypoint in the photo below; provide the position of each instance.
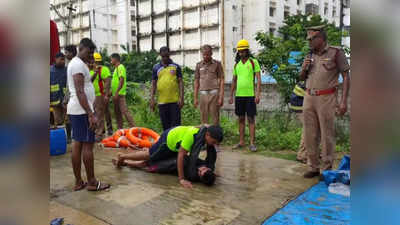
(209, 75)
(302, 151)
(319, 110)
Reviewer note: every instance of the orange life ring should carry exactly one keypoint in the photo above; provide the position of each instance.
(110, 144)
(137, 135)
(120, 138)
(108, 139)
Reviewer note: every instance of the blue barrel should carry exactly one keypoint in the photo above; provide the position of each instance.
(58, 141)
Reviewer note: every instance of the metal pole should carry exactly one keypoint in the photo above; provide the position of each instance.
(90, 26)
(223, 34)
(341, 14)
(137, 27)
(69, 22)
(152, 23)
(341, 21)
(166, 23)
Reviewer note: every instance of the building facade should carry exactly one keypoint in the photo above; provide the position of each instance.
(186, 25)
(183, 25)
(109, 23)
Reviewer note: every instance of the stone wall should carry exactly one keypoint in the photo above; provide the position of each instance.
(270, 98)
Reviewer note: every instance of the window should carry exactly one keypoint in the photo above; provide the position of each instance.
(132, 2)
(132, 17)
(334, 12)
(312, 9)
(272, 28)
(272, 11)
(272, 31)
(298, 12)
(286, 13)
(133, 32)
(326, 10)
(298, 2)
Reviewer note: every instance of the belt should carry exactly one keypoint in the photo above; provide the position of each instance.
(314, 92)
(209, 92)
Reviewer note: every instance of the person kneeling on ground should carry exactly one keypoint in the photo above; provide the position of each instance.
(204, 168)
(175, 144)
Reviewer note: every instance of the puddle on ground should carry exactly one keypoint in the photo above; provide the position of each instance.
(131, 195)
(200, 213)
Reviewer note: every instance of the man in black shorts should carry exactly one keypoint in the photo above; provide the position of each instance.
(243, 84)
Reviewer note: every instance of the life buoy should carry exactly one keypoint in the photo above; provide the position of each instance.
(140, 136)
(110, 144)
(108, 139)
(121, 139)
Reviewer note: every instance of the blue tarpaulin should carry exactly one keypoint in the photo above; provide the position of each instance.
(316, 206)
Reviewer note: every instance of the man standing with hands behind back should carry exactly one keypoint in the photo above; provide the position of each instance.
(168, 82)
(321, 70)
(209, 79)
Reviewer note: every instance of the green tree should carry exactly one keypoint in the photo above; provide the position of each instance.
(139, 66)
(275, 53)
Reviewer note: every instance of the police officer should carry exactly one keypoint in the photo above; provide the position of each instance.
(321, 69)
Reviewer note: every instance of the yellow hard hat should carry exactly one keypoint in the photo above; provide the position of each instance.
(242, 45)
(97, 57)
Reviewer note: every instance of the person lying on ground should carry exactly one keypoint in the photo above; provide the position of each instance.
(205, 168)
(176, 143)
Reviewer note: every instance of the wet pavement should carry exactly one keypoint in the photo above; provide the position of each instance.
(249, 190)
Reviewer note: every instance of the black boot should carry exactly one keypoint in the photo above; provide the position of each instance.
(311, 174)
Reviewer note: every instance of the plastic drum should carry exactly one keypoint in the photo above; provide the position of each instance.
(58, 141)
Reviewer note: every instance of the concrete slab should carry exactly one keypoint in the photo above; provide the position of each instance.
(71, 216)
(251, 188)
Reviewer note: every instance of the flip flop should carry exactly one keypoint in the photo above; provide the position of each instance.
(80, 186)
(99, 187)
(253, 148)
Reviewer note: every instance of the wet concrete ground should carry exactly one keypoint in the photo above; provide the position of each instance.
(249, 190)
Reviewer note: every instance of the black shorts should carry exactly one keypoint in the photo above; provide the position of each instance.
(245, 106)
(159, 151)
(80, 128)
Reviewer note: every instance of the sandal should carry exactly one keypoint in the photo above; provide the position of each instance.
(98, 187)
(253, 148)
(237, 146)
(80, 186)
